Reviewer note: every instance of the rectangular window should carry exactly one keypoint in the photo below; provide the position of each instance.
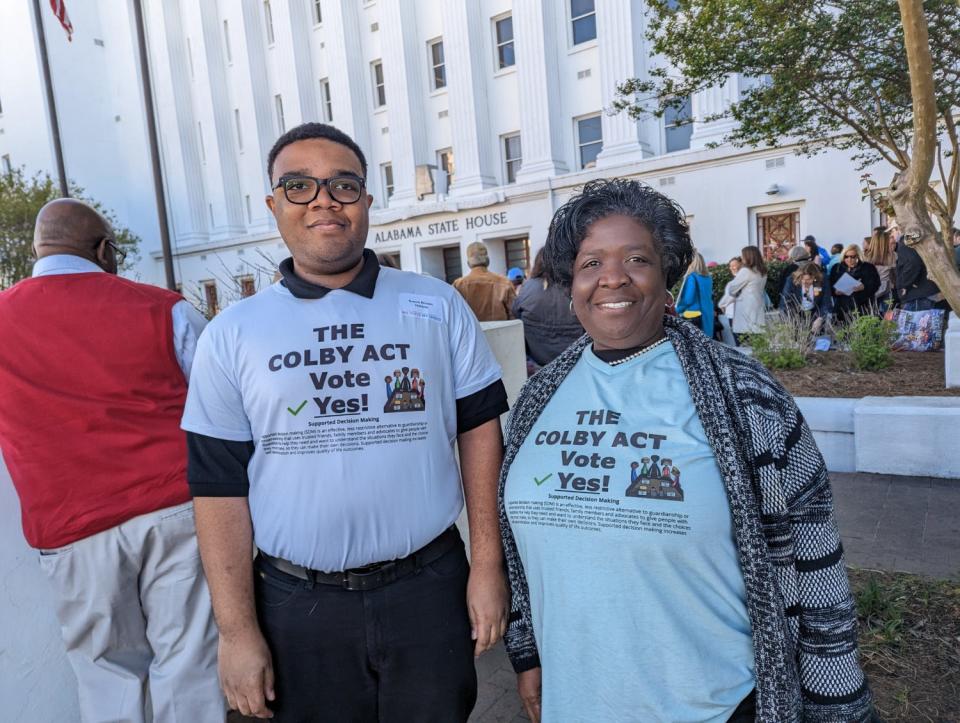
(326, 100)
(210, 300)
(503, 29)
(5, 164)
(247, 286)
(445, 161)
(511, 157)
(589, 140)
(226, 41)
(268, 21)
(203, 148)
(387, 172)
(379, 91)
(317, 13)
(517, 253)
(236, 122)
(438, 75)
(278, 105)
(583, 17)
(678, 126)
(452, 266)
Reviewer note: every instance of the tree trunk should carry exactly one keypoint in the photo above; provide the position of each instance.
(908, 189)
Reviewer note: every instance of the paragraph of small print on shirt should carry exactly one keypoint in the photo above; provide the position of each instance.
(342, 367)
(587, 490)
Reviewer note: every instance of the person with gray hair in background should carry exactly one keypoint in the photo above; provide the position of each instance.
(490, 295)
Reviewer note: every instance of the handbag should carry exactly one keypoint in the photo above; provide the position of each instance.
(917, 330)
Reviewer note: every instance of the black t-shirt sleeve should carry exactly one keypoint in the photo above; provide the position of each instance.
(217, 467)
(479, 407)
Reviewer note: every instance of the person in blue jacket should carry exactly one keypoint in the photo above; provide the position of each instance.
(695, 302)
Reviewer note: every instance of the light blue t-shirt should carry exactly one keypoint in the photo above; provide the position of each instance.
(623, 526)
(351, 404)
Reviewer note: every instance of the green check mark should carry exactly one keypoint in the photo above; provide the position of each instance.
(541, 481)
(296, 411)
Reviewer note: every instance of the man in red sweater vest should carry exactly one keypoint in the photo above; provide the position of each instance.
(101, 474)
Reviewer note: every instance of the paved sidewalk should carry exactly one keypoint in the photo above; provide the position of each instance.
(899, 524)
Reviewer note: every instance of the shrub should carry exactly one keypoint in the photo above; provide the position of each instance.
(785, 342)
(869, 338)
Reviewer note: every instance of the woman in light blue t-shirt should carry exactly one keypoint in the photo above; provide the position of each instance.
(666, 516)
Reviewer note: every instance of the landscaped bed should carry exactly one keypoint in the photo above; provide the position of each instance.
(833, 374)
(910, 644)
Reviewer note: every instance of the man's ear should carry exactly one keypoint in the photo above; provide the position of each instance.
(103, 257)
(271, 204)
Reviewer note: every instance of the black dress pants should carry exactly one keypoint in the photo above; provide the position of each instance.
(399, 654)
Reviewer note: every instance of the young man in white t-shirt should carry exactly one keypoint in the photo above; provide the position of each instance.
(360, 604)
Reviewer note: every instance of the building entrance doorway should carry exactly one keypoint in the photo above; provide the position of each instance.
(777, 233)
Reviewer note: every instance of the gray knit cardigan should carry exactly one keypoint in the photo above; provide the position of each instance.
(802, 614)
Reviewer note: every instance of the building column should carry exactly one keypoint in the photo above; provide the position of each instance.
(620, 44)
(542, 125)
(477, 162)
(301, 26)
(259, 83)
(348, 75)
(406, 94)
(186, 122)
(713, 101)
(222, 119)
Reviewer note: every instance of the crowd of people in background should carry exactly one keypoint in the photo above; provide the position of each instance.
(823, 287)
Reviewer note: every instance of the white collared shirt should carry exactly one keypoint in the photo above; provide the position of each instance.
(187, 321)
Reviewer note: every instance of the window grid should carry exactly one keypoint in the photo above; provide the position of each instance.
(446, 163)
(379, 89)
(247, 286)
(512, 154)
(278, 105)
(268, 22)
(387, 172)
(503, 29)
(452, 265)
(327, 101)
(583, 19)
(517, 252)
(210, 298)
(438, 76)
(678, 126)
(589, 140)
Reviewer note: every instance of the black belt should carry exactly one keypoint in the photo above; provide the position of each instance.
(372, 576)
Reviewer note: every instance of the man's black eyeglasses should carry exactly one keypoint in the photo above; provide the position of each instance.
(304, 189)
(118, 252)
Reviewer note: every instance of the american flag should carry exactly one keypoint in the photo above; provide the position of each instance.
(60, 10)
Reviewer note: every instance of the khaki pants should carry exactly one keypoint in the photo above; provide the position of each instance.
(134, 611)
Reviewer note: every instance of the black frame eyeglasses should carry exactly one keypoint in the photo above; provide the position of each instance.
(118, 253)
(302, 190)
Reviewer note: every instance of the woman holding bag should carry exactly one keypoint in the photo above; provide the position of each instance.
(695, 301)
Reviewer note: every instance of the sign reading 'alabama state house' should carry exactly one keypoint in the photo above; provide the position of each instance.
(440, 228)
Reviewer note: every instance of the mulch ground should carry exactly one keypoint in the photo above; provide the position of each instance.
(910, 644)
(833, 374)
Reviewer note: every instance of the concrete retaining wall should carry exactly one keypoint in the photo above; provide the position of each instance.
(913, 436)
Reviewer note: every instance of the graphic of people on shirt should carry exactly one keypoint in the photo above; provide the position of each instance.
(656, 479)
(406, 392)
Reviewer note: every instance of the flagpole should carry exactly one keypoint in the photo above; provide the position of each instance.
(154, 149)
(51, 101)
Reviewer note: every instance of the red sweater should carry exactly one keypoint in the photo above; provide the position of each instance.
(91, 396)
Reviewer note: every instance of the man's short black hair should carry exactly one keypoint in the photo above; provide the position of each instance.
(662, 217)
(306, 131)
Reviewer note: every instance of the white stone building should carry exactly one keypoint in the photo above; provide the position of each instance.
(496, 106)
